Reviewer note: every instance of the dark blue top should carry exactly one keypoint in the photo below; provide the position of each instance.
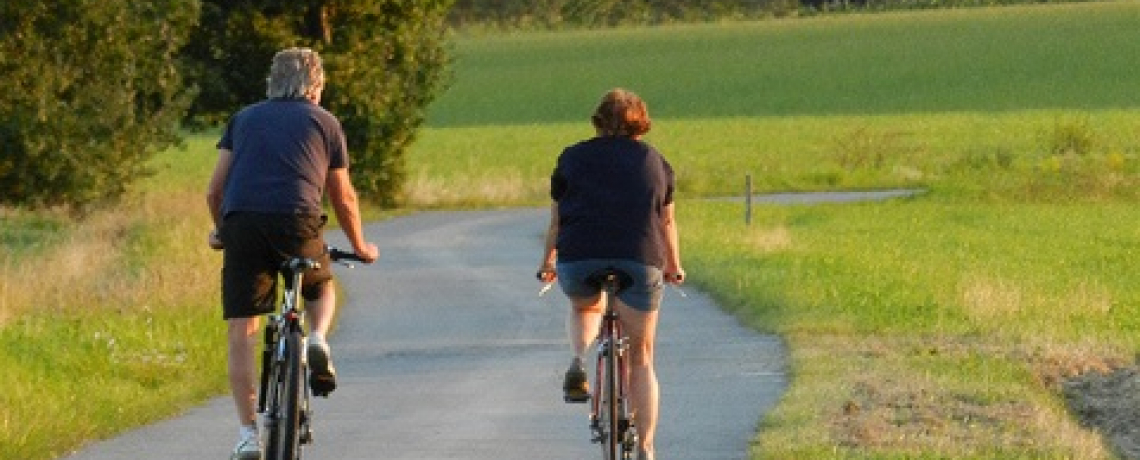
(283, 150)
(611, 193)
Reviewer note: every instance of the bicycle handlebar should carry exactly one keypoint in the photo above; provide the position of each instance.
(338, 255)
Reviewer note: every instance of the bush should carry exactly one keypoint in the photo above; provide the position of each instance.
(385, 61)
(95, 92)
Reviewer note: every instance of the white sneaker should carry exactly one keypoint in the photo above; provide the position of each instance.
(248, 448)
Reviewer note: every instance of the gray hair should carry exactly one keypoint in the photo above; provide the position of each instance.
(295, 73)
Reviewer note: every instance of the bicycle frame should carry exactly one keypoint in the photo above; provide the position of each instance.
(610, 417)
(284, 397)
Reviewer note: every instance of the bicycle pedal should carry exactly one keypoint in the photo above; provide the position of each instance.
(576, 399)
(322, 385)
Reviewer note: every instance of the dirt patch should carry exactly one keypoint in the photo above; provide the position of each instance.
(903, 402)
(1109, 402)
(885, 415)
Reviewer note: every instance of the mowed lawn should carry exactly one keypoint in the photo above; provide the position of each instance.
(957, 324)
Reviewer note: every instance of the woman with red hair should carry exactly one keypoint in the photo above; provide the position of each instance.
(613, 209)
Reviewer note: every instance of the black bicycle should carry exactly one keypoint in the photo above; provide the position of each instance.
(611, 420)
(284, 397)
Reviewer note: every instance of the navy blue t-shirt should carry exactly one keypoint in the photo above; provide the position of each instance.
(611, 193)
(283, 150)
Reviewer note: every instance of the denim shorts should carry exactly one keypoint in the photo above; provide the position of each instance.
(642, 294)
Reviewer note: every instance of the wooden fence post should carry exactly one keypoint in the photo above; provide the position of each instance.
(747, 199)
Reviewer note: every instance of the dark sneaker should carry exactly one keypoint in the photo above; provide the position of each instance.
(248, 448)
(575, 387)
(322, 376)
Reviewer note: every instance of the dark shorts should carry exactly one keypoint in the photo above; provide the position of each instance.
(643, 294)
(255, 247)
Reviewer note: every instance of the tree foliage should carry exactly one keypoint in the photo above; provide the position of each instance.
(385, 61)
(556, 14)
(605, 13)
(94, 92)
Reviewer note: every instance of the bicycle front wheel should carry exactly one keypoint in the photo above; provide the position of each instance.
(285, 435)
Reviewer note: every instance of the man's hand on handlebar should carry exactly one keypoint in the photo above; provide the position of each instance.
(214, 241)
(369, 253)
(367, 256)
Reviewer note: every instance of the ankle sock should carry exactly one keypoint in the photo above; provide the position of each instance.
(247, 430)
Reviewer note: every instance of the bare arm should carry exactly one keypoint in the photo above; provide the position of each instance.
(343, 197)
(550, 254)
(215, 193)
(673, 271)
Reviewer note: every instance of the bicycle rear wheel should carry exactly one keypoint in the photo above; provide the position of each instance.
(607, 405)
(285, 428)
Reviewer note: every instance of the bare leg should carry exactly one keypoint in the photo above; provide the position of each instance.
(322, 311)
(242, 337)
(641, 328)
(583, 323)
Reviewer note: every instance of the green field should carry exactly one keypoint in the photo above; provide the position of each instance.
(1069, 57)
(944, 326)
(974, 102)
(953, 325)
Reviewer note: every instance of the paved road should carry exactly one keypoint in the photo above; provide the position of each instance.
(445, 352)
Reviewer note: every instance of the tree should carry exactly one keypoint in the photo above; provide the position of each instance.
(385, 61)
(94, 92)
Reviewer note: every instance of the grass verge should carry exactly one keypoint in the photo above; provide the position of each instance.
(109, 322)
(927, 328)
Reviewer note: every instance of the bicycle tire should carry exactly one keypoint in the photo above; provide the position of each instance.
(286, 438)
(627, 432)
(271, 394)
(609, 414)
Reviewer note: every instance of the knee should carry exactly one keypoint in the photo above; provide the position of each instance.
(640, 352)
(242, 331)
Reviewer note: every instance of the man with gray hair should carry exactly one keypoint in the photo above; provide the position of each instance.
(277, 160)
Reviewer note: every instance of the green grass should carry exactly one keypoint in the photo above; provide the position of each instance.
(925, 266)
(91, 374)
(110, 322)
(924, 328)
(1069, 57)
(1006, 156)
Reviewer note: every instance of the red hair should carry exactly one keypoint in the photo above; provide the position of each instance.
(621, 113)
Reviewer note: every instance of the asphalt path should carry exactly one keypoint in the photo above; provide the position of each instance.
(444, 350)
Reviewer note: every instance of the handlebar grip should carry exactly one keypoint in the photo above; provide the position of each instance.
(338, 255)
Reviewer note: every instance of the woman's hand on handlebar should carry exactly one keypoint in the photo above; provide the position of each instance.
(546, 274)
(675, 276)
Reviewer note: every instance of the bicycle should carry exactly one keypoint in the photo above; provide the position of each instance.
(611, 421)
(284, 394)
(610, 418)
